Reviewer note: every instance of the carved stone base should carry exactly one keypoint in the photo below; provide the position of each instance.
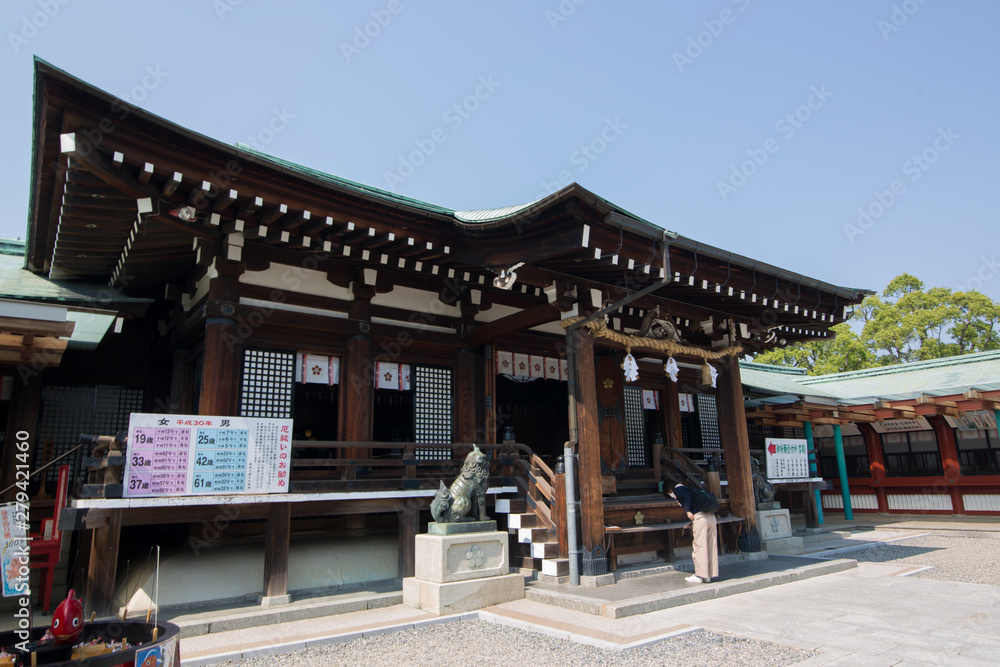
(448, 558)
(461, 596)
(435, 528)
(774, 524)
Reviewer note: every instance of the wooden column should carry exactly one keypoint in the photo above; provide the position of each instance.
(465, 396)
(589, 447)
(736, 443)
(279, 528)
(409, 526)
(948, 446)
(103, 566)
(223, 349)
(357, 387)
(876, 463)
(490, 389)
(25, 404)
(672, 416)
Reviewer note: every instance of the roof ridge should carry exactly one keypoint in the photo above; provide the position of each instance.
(772, 368)
(906, 367)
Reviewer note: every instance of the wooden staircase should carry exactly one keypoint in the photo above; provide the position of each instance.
(534, 517)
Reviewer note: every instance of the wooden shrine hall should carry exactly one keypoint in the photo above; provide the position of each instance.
(394, 333)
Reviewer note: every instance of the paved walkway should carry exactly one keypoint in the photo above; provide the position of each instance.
(869, 614)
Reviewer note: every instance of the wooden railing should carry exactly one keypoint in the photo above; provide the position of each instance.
(323, 466)
(545, 493)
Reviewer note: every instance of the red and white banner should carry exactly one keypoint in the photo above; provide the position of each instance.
(552, 369)
(650, 399)
(505, 363)
(389, 375)
(536, 366)
(522, 364)
(317, 369)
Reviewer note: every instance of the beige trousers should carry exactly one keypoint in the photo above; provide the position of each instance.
(705, 548)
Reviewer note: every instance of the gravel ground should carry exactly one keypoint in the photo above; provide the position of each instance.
(482, 643)
(974, 560)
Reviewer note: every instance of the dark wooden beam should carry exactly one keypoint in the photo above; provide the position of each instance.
(531, 317)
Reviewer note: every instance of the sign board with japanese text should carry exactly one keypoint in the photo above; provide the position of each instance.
(787, 458)
(13, 525)
(184, 455)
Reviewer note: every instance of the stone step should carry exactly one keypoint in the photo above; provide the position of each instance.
(555, 567)
(521, 521)
(789, 546)
(826, 536)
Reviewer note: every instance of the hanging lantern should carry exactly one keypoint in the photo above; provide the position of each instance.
(630, 367)
(671, 369)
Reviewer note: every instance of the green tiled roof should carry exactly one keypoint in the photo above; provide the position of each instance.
(18, 283)
(936, 377)
(358, 188)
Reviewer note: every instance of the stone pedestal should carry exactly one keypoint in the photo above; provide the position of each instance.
(774, 524)
(775, 527)
(462, 571)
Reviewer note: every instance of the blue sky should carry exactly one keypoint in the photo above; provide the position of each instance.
(848, 141)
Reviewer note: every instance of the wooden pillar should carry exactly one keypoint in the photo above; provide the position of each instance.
(876, 463)
(588, 448)
(409, 526)
(223, 350)
(279, 528)
(103, 565)
(736, 443)
(672, 416)
(25, 404)
(948, 446)
(357, 387)
(465, 396)
(490, 389)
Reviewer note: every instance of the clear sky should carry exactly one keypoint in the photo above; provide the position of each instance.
(848, 141)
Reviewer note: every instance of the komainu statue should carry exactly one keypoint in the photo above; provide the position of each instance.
(468, 492)
(763, 490)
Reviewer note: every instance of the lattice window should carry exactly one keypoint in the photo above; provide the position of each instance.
(69, 411)
(432, 408)
(635, 428)
(708, 415)
(268, 382)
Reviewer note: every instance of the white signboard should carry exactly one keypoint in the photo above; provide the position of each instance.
(178, 455)
(787, 458)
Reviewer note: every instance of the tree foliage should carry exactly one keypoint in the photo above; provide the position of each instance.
(903, 323)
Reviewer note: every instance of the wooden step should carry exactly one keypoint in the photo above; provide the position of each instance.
(555, 567)
(511, 506)
(526, 562)
(545, 549)
(532, 535)
(522, 521)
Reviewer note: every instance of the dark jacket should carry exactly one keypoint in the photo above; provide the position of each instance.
(683, 496)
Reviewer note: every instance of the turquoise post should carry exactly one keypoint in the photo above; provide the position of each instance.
(813, 467)
(845, 490)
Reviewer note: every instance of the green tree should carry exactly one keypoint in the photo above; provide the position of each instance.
(903, 323)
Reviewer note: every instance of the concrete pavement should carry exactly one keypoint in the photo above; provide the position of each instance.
(871, 614)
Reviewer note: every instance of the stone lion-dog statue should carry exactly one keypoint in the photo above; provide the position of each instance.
(455, 503)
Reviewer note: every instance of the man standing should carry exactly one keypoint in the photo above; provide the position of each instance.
(705, 546)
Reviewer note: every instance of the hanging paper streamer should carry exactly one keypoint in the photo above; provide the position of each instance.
(709, 374)
(671, 369)
(631, 368)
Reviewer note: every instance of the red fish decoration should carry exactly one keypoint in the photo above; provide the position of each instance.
(67, 620)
